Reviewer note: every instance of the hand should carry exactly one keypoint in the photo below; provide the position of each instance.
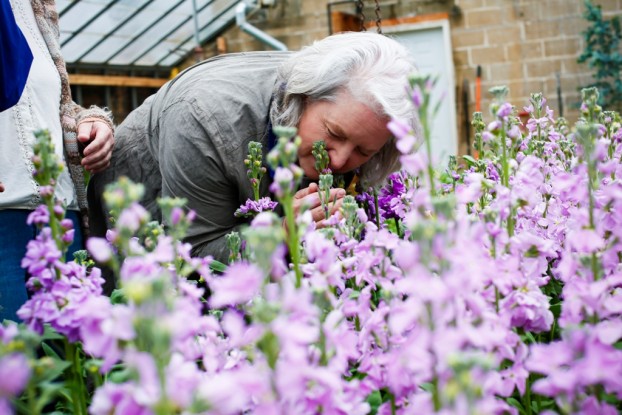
(310, 197)
(1, 187)
(99, 141)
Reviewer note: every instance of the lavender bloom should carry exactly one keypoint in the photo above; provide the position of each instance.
(103, 328)
(283, 182)
(527, 307)
(100, 249)
(391, 198)
(253, 207)
(14, 374)
(367, 201)
(574, 364)
(40, 216)
(132, 218)
(406, 141)
(239, 284)
(118, 399)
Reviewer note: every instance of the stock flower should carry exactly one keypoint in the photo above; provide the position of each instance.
(104, 327)
(392, 200)
(42, 255)
(527, 307)
(239, 284)
(132, 217)
(283, 182)
(14, 374)
(100, 249)
(406, 141)
(39, 216)
(117, 399)
(253, 207)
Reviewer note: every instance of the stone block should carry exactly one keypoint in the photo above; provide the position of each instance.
(543, 69)
(503, 35)
(506, 71)
(467, 38)
(481, 18)
(486, 55)
(569, 46)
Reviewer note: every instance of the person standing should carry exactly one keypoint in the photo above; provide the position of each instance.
(45, 102)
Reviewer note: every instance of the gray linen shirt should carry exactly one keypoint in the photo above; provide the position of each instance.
(190, 140)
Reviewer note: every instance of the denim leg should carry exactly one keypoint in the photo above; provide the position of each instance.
(14, 236)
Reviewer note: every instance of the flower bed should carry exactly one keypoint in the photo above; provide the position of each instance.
(494, 288)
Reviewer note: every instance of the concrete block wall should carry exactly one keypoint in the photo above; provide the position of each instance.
(527, 45)
(524, 44)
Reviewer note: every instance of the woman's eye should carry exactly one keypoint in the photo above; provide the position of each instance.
(333, 135)
(363, 153)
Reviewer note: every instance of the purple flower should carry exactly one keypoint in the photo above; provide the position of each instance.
(42, 255)
(39, 216)
(252, 207)
(239, 284)
(132, 217)
(100, 249)
(14, 374)
(103, 327)
(504, 110)
(417, 96)
(585, 241)
(118, 399)
(392, 197)
(527, 307)
(406, 140)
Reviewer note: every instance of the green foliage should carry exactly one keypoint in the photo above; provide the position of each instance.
(602, 54)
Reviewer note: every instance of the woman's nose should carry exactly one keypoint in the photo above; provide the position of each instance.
(339, 156)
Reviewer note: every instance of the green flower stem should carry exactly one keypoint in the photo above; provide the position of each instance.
(505, 178)
(293, 242)
(592, 177)
(527, 397)
(75, 381)
(376, 208)
(33, 407)
(428, 149)
(436, 397)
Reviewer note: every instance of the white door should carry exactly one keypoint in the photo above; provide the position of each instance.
(430, 44)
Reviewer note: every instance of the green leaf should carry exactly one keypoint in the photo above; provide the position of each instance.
(269, 345)
(427, 386)
(50, 334)
(516, 404)
(118, 297)
(48, 392)
(49, 351)
(119, 376)
(374, 400)
(470, 160)
(217, 266)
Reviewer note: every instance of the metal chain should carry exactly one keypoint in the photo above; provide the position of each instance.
(359, 11)
(378, 18)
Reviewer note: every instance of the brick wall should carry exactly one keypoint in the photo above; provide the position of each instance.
(525, 44)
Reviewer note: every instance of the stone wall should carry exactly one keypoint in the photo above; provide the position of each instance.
(527, 45)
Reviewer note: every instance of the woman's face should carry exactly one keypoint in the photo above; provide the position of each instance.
(352, 131)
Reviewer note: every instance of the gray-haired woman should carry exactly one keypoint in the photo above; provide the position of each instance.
(190, 139)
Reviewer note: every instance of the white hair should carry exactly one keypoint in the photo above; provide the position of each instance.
(371, 67)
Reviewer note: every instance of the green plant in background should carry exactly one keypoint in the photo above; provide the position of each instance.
(603, 54)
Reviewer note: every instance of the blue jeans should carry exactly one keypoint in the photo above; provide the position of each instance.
(14, 236)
